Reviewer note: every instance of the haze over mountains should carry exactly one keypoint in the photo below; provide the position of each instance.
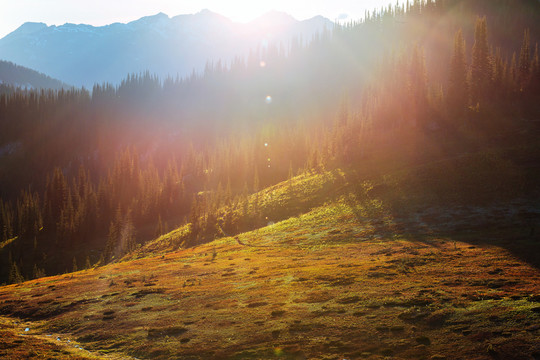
(12, 75)
(83, 55)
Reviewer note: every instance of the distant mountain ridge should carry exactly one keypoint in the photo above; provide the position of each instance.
(19, 76)
(84, 54)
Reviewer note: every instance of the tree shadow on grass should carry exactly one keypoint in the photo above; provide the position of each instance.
(509, 223)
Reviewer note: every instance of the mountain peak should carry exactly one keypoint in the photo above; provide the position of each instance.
(321, 20)
(276, 16)
(30, 27)
(206, 12)
(152, 19)
(210, 15)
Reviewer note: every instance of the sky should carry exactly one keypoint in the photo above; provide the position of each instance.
(14, 13)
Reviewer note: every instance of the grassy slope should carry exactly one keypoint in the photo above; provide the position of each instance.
(368, 274)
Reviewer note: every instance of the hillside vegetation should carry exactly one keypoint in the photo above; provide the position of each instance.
(406, 265)
(370, 194)
(348, 279)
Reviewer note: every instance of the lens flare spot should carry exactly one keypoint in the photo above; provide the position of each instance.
(268, 99)
(268, 159)
(265, 144)
(278, 351)
(262, 64)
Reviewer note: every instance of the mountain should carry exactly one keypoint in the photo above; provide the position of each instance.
(19, 76)
(84, 54)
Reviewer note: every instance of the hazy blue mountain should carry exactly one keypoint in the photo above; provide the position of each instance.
(84, 54)
(19, 76)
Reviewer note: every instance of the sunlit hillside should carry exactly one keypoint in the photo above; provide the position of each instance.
(369, 192)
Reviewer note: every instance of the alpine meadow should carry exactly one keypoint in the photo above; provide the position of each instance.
(279, 189)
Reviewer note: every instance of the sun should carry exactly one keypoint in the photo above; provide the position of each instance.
(243, 11)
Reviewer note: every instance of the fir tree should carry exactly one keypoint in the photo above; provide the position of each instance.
(457, 85)
(112, 242)
(159, 227)
(15, 276)
(481, 63)
(37, 272)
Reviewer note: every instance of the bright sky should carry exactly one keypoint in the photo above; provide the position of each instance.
(13, 13)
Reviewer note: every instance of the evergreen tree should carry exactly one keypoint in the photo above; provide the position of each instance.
(112, 242)
(37, 272)
(159, 228)
(458, 89)
(127, 235)
(55, 198)
(481, 63)
(500, 85)
(6, 221)
(195, 215)
(15, 276)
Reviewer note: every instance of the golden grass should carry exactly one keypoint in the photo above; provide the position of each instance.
(333, 283)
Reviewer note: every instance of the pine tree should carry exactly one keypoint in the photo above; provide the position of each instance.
(37, 272)
(55, 198)
(127, 234)
(112, 242)
(194, 215)
(159, 227)
(15, 276)
(458, 88)
(6, 221)
(481, 63)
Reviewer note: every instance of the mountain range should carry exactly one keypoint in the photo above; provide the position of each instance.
(83, 55)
